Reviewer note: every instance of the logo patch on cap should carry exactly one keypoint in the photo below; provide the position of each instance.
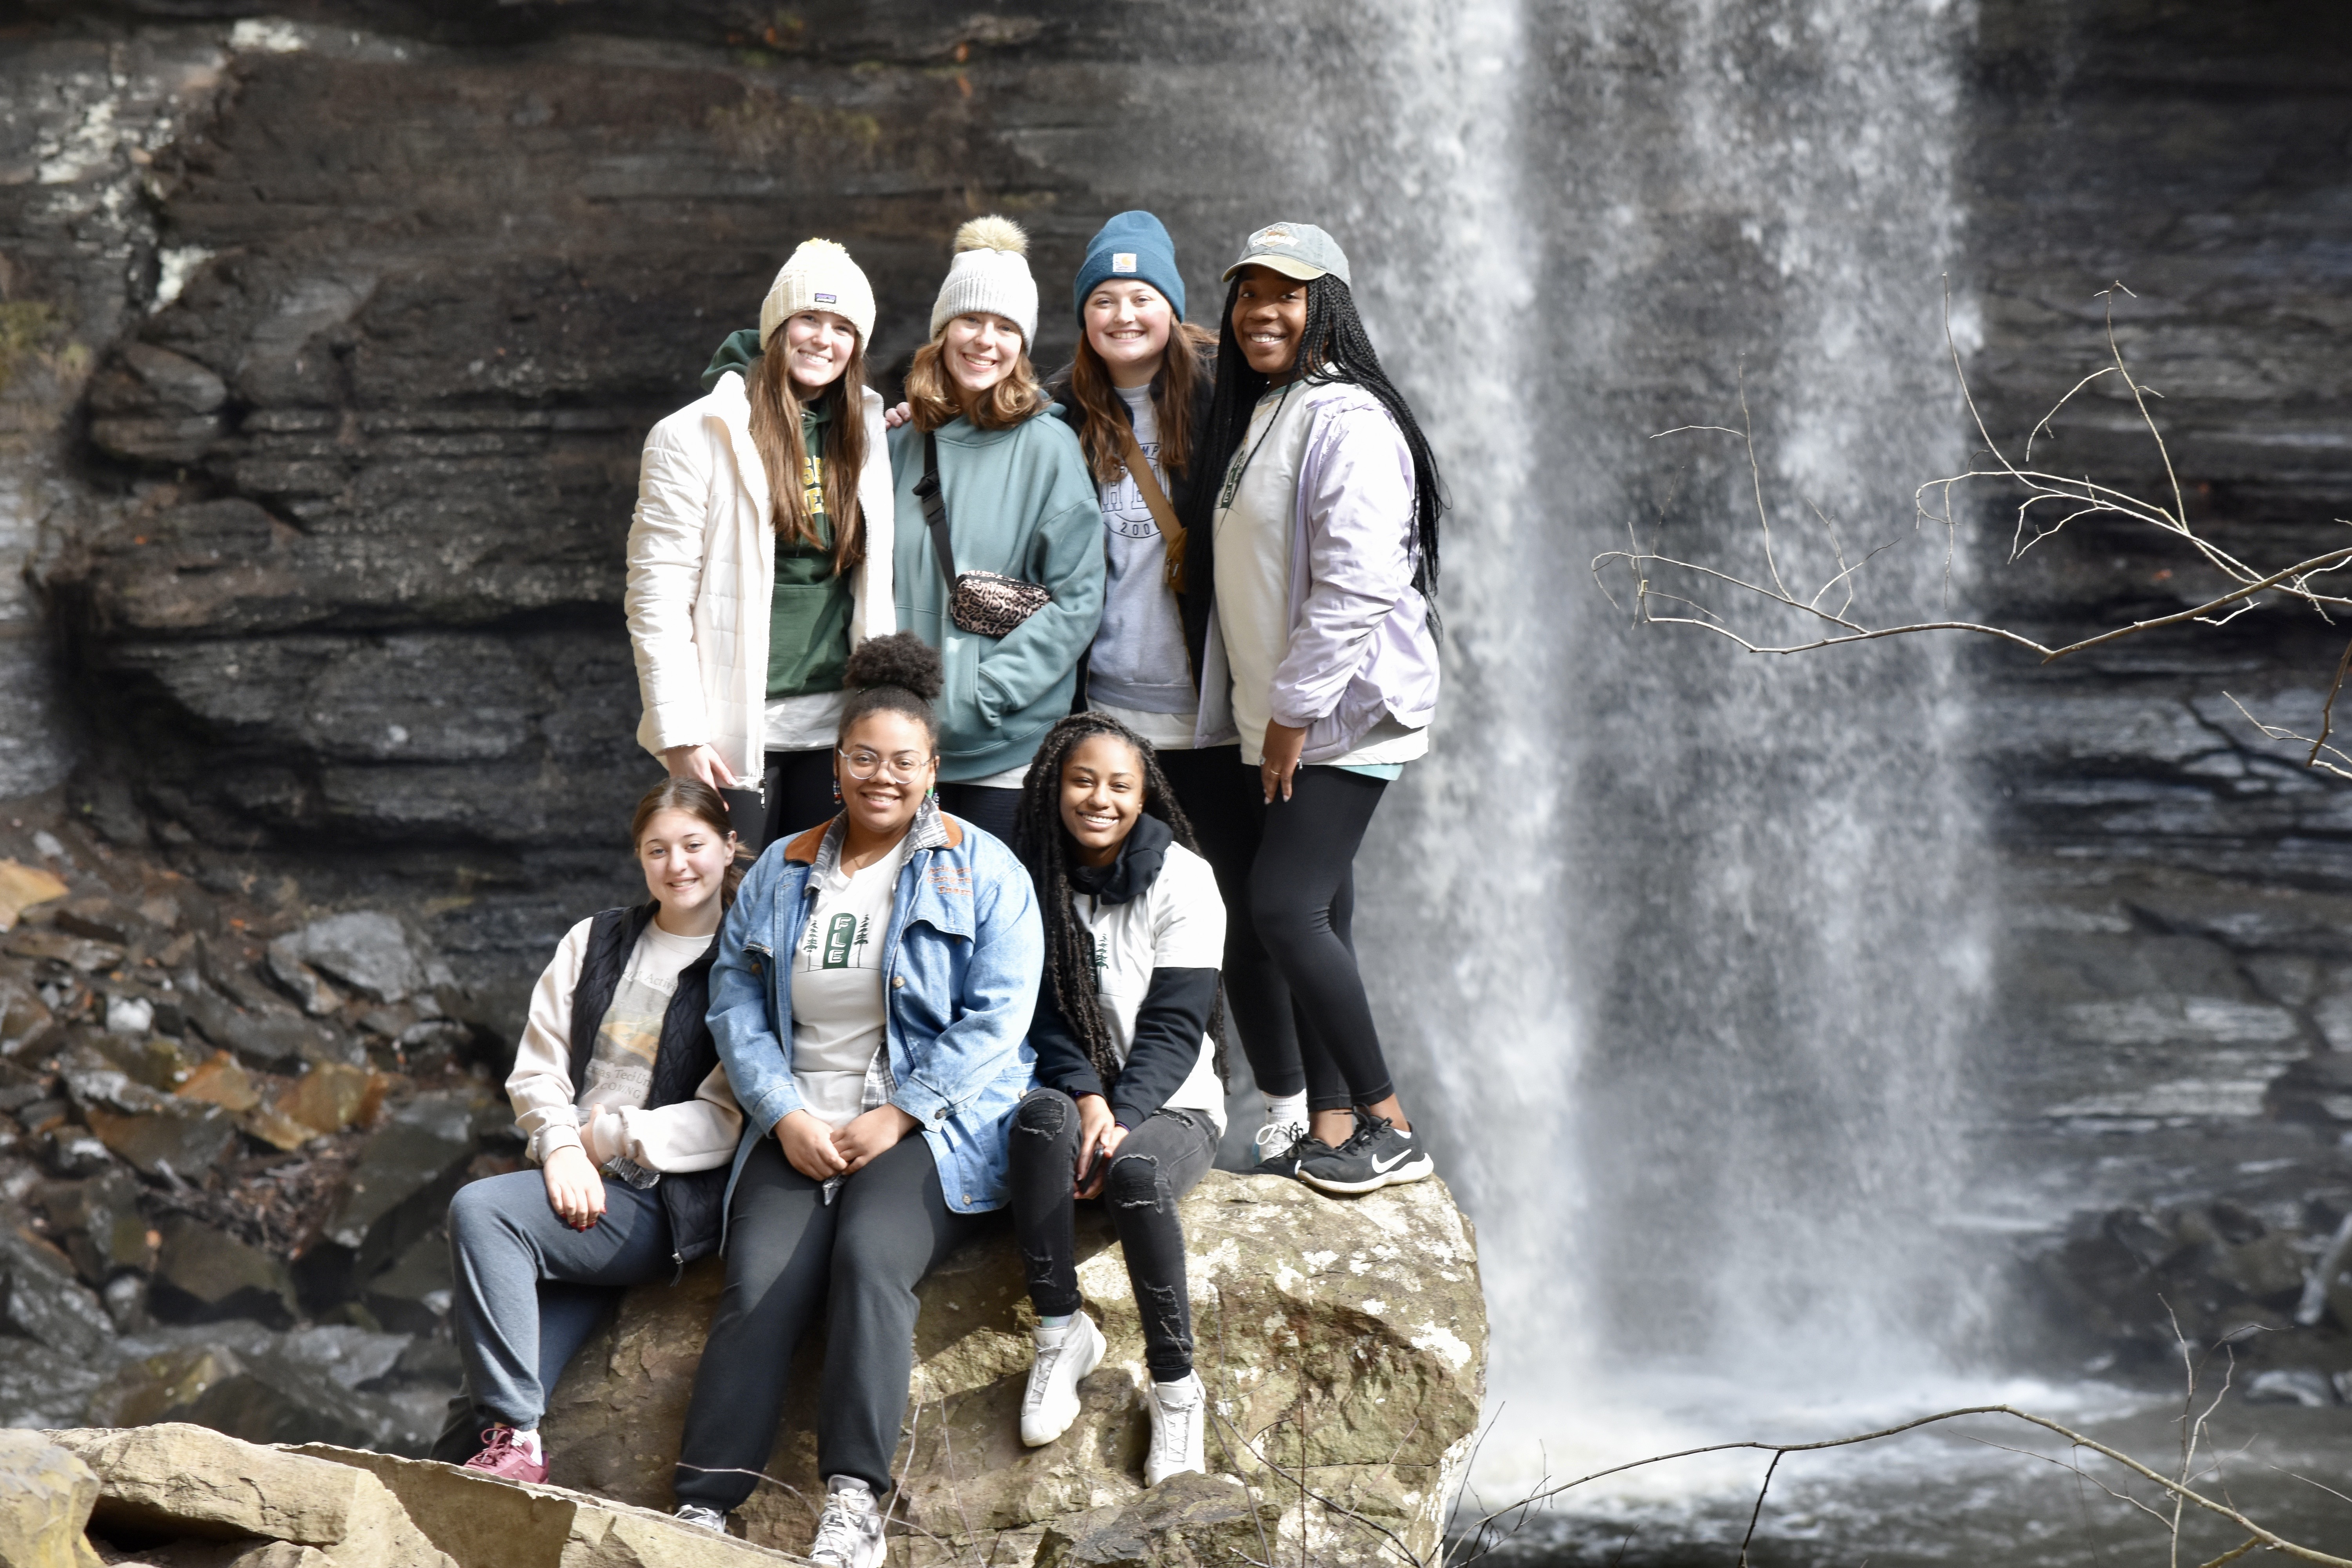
(1122, 261)
(1277, 235)
(828, 298)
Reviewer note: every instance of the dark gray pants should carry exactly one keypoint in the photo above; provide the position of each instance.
(789, 1256)
(1156, 1165)
(506, 1246)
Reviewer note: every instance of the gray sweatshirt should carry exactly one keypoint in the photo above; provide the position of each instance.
(1139, 660)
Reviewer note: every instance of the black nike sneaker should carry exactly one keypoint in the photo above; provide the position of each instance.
(1285, 1162)
(1377, 1156)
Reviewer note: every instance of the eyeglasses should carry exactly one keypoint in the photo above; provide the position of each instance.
(864, 764)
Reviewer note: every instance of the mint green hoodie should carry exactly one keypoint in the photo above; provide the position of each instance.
(1020, 502)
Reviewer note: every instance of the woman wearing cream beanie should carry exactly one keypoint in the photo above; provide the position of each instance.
(761, 553)
(1018, 500)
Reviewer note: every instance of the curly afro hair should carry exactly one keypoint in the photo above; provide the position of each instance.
(900, 673)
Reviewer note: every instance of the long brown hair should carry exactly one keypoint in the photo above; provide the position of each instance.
(705, 805)
(776, 406)
(1181, 369)
(937, 400)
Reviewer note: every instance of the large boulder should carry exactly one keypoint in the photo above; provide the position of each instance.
(176, 1496)
(177, 1480)
(44, 1500)
(1349, 1332)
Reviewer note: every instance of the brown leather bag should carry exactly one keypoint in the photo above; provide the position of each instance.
(1139, 468)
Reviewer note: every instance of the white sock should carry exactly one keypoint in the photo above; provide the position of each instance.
(1055, 1322)
(529, 1442)
(1286, 1111)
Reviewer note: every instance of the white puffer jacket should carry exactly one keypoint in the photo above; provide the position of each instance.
(702, 572)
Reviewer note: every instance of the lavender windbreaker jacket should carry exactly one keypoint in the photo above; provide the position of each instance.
(1360, 648)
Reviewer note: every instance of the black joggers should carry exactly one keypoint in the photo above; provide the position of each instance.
(790, 1257)
(1156, 1165)
(1288, 873)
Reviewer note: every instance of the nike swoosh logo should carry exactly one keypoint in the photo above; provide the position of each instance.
(1383, 1167)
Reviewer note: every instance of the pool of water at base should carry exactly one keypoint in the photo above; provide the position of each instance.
(1989, 1492)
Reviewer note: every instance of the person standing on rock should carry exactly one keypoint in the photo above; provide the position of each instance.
(1132, 1096)
(618, 1088)
(1320, 538)
(874, 982)
(762, 551)
(1000, 566)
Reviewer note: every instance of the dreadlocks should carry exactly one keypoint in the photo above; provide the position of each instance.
(1046, 848)
(1334, 347)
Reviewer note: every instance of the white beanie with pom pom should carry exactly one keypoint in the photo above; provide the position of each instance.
(989, 273)
(819, 276)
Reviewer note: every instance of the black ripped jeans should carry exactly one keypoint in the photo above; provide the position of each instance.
(1156, 1165)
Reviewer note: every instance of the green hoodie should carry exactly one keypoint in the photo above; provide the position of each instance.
(736, 355)
(1020, 502)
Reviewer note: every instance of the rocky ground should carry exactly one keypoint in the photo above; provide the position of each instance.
(229, 1126)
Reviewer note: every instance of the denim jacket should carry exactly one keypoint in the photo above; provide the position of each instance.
(963, 954)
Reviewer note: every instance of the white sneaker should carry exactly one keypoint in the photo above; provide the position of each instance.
(1179, 1416)
(1064, 1356)
(702, 1517)
(849, 1532)
(1276, 1138)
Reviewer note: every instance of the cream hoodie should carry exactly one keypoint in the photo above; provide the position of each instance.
(696, 1134)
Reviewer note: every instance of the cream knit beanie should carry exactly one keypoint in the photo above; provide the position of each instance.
(819, 276)
(989, 273)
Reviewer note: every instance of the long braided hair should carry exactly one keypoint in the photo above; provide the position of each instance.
(1333, 348)
(1047, 850)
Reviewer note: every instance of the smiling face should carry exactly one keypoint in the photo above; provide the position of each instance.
(1269, 320)
(979, 350)
(817, 345)
(1126, 325)
(685, 861)
(1102, 795)
(896, 752)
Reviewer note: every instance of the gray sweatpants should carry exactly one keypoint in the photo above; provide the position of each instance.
(504, 1241)
(789, 1257)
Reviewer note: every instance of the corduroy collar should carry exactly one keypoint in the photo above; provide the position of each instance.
(820, 847)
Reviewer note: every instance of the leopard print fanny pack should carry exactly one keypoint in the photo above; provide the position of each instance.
(985, 604)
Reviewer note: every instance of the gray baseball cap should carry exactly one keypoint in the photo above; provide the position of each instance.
(1297, 250)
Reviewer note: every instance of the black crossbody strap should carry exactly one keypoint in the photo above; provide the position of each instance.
(935, 510)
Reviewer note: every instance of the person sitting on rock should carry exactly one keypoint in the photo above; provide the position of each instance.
(1131, 1068)
(875, 981)
(760, 551)
(618, 1087)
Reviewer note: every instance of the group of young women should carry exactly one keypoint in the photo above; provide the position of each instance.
(1053, 715)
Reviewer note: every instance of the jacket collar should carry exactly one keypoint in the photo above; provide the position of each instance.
(1138, 867)
(820, 847)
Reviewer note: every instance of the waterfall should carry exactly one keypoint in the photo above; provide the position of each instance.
(1678, 949)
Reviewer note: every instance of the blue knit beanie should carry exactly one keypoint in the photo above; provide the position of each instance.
(1132, 245)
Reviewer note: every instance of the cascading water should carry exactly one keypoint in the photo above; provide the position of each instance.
(1677, 948)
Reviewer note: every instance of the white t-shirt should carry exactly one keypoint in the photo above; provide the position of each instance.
(837, 1006)
(1178, 923)
(1253, 529)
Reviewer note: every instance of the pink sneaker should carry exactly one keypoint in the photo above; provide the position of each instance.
(502, 1457)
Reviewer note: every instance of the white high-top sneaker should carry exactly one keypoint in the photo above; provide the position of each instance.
(1179, 1417)
(1064, 1356)
(849, 1532)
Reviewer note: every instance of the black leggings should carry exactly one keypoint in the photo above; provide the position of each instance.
(1287, 874)
(985, 806)
(800, 792)
(789, 1257)
(1156, 1165)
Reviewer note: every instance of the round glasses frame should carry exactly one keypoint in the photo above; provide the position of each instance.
(879, 765)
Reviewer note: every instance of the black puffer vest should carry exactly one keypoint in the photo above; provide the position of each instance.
(684, 1058)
